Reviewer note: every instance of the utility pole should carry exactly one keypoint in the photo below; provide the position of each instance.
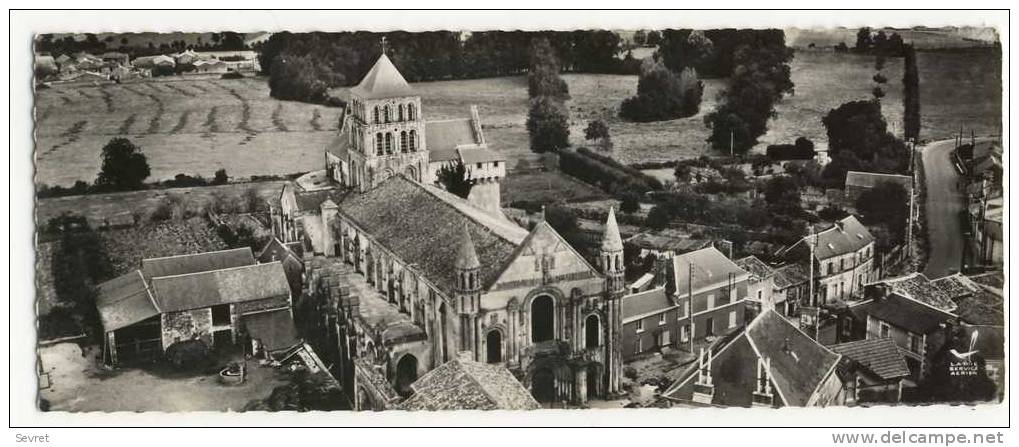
(732, 144)
(689, 300)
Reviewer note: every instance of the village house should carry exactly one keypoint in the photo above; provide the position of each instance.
(792, 288)
(650, 323)
(710, 291)
(210, 66)
(220, 298)
(919, 330)
(291, 255)
(769, 364)
(874, 370)
(761, 285)
(843, 258)
(430, 274)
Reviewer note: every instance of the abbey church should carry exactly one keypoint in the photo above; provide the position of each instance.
(408, 277)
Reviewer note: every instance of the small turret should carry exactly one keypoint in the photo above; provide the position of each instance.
(611, 255)
(466, 255)
(468, 291)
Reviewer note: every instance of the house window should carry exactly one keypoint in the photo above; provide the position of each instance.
(495, 164)
(709, 327)
(640, 326)
(831, 268)
(842, 264)
(760, 296)
(914, 343)
(732, 319)
(711, 301)
(479, 165)
(884, 330)
(661, 319)
(640, 346)
(221, 315)
(684, 333)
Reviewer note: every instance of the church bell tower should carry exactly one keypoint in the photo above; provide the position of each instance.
(385, 129)
(610, 260)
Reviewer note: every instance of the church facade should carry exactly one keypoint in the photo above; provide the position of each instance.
(445, 276)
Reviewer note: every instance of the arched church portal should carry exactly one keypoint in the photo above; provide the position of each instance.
(542, 319)
(406, 374)
(493, 346)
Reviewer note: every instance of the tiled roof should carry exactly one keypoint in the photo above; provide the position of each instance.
(905, 313)
(798, 363)
(644, 303)
(982, 307)
(665, 242)
(198, 262)
(710, 268)
(233, 285)
(940, 294)
(871, 179)
(449, 134)
(755, 266)
(124, 300)
(852, 237)
(312, 200)
(464, 384)
(879, 355)
(420, 226)
(275, 329)
(479, 155)
(382, 81)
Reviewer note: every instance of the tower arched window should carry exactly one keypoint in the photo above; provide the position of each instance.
(387, 114)
(411, 112)
(378, 144)
(413, 140)
(403, 142)
(389, 143)
(375, 115)
(399, 113)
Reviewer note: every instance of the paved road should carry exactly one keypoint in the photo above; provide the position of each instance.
(944, 201)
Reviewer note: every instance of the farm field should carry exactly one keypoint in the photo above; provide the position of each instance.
(97, 207)
(196, 126)
(548, 186)
(191, 126)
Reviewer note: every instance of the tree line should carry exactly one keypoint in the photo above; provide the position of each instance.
(222, 41)
(342, 59)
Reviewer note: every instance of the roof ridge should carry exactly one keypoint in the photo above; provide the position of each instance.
(197, 254)
(446, 203)
(257, 264)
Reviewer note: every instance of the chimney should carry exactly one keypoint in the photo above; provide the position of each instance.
(704, 388)
(840, 226)
(763, 395)
(479, 137)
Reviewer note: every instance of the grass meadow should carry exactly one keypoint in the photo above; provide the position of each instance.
(196, 126)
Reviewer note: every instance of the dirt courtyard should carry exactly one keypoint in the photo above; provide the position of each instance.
(77, 384)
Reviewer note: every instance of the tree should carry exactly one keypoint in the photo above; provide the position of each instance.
(662, 95)
(629, 202)
(864, 42)
(885, 204)
(654, 38)
(220, 177)
(548, 125)
(453, 178)
(911, 96)
(124, 167)
(858, 139)
(761, 77)
(782, 190)
(878, 93)
(543, 77)
(640, 37)
(880, 78)
(597, 130)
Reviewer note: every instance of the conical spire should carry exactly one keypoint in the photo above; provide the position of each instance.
(382, 81)
(466, 256)
(611, 240)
